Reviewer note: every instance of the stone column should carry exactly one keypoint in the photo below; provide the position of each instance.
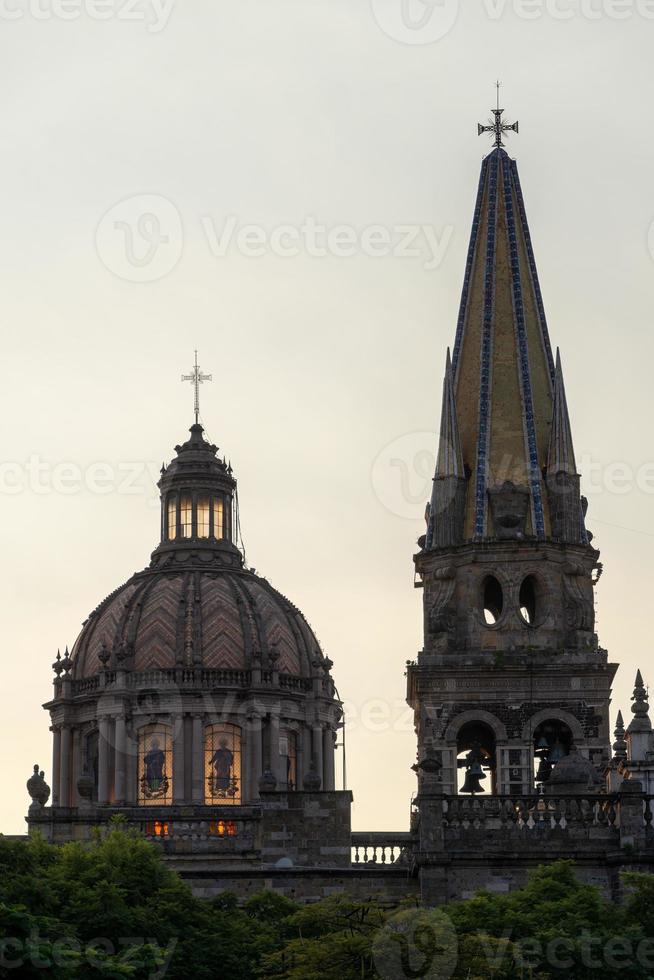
(317, 753)
(104, 734)
(255, 754)
(307, 752)
(178, 759)
(198, 760)
(274, 761)
(328, 759)
(131, 768)
(120, 790)
(56, 763)
(64, 771)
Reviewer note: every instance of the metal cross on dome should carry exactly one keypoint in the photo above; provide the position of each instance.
(497, 126)
(197, 378)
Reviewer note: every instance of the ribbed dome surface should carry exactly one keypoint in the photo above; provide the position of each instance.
(218, 619)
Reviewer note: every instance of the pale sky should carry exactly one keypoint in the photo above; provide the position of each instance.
(210, 116)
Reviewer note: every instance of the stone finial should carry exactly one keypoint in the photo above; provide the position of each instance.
(620, 744)
(85, 785)
(57, 664)
(267, 782)
(67, 662)
(104, 654)
(639, 708)
(38, 789)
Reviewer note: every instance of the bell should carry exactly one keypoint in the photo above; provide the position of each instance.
(542, 743)
(544, 771)
(557, 752)
(474, 776)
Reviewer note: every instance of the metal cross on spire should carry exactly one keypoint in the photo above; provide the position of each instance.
(197, 378)
(497, 126)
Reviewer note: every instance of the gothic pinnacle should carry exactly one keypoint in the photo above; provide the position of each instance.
(620, 744)
(640, 708)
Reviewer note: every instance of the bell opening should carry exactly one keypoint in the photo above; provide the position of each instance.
(552, 742)
(476, 760)
(493, 600)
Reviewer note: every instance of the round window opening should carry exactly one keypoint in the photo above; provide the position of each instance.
(493, 600)
(527, 600)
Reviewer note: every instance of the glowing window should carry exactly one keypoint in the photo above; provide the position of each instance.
(222, 828)
(203, 517)
(172, 518)
(155, 766)
(218, 518)
(186, 516)
(222, 764)
(288, 752)
(157, 828)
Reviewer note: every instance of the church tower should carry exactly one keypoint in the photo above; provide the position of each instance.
(510, 679)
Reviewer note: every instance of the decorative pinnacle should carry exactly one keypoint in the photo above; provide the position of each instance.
(620, 744)
(497, 126)
(196, 378)
(640, 707)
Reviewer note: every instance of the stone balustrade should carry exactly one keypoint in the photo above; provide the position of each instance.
(188, 678)
(380, 848)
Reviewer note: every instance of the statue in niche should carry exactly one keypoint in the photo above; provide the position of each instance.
(154, 781)
(221, 762)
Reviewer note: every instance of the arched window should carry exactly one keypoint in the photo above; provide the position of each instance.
(288, 753)
(552, 741)
(155, 766)
(186, 516)
(493, 600)
(475, 751)
(172, 518)
(222, 764)
(203, 517)
(218, 518)
(528, 600)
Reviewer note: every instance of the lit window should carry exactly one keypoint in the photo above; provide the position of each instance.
(203, 517)
(222, 828)
(155, 766)
(172, 518)
(288, 752)
(218, 518)
(222, 764)
(186, 516)
(157, 828)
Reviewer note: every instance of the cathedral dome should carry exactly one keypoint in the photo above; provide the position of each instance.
(194, 683)
(196, 614)
(197, 606)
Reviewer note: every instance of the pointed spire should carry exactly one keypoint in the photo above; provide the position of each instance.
(445, 514)
(450, 457)
(561, 456)
(640, 708)
(620, 744)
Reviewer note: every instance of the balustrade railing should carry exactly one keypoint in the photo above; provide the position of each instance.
(185, 677)
(380, 849)
(531, 813)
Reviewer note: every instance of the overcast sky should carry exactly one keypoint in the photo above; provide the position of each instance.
(289, 187)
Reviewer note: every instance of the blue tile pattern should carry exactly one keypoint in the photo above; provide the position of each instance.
(485, 356)
(470, 261)
(523, 352)
(533, 272)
